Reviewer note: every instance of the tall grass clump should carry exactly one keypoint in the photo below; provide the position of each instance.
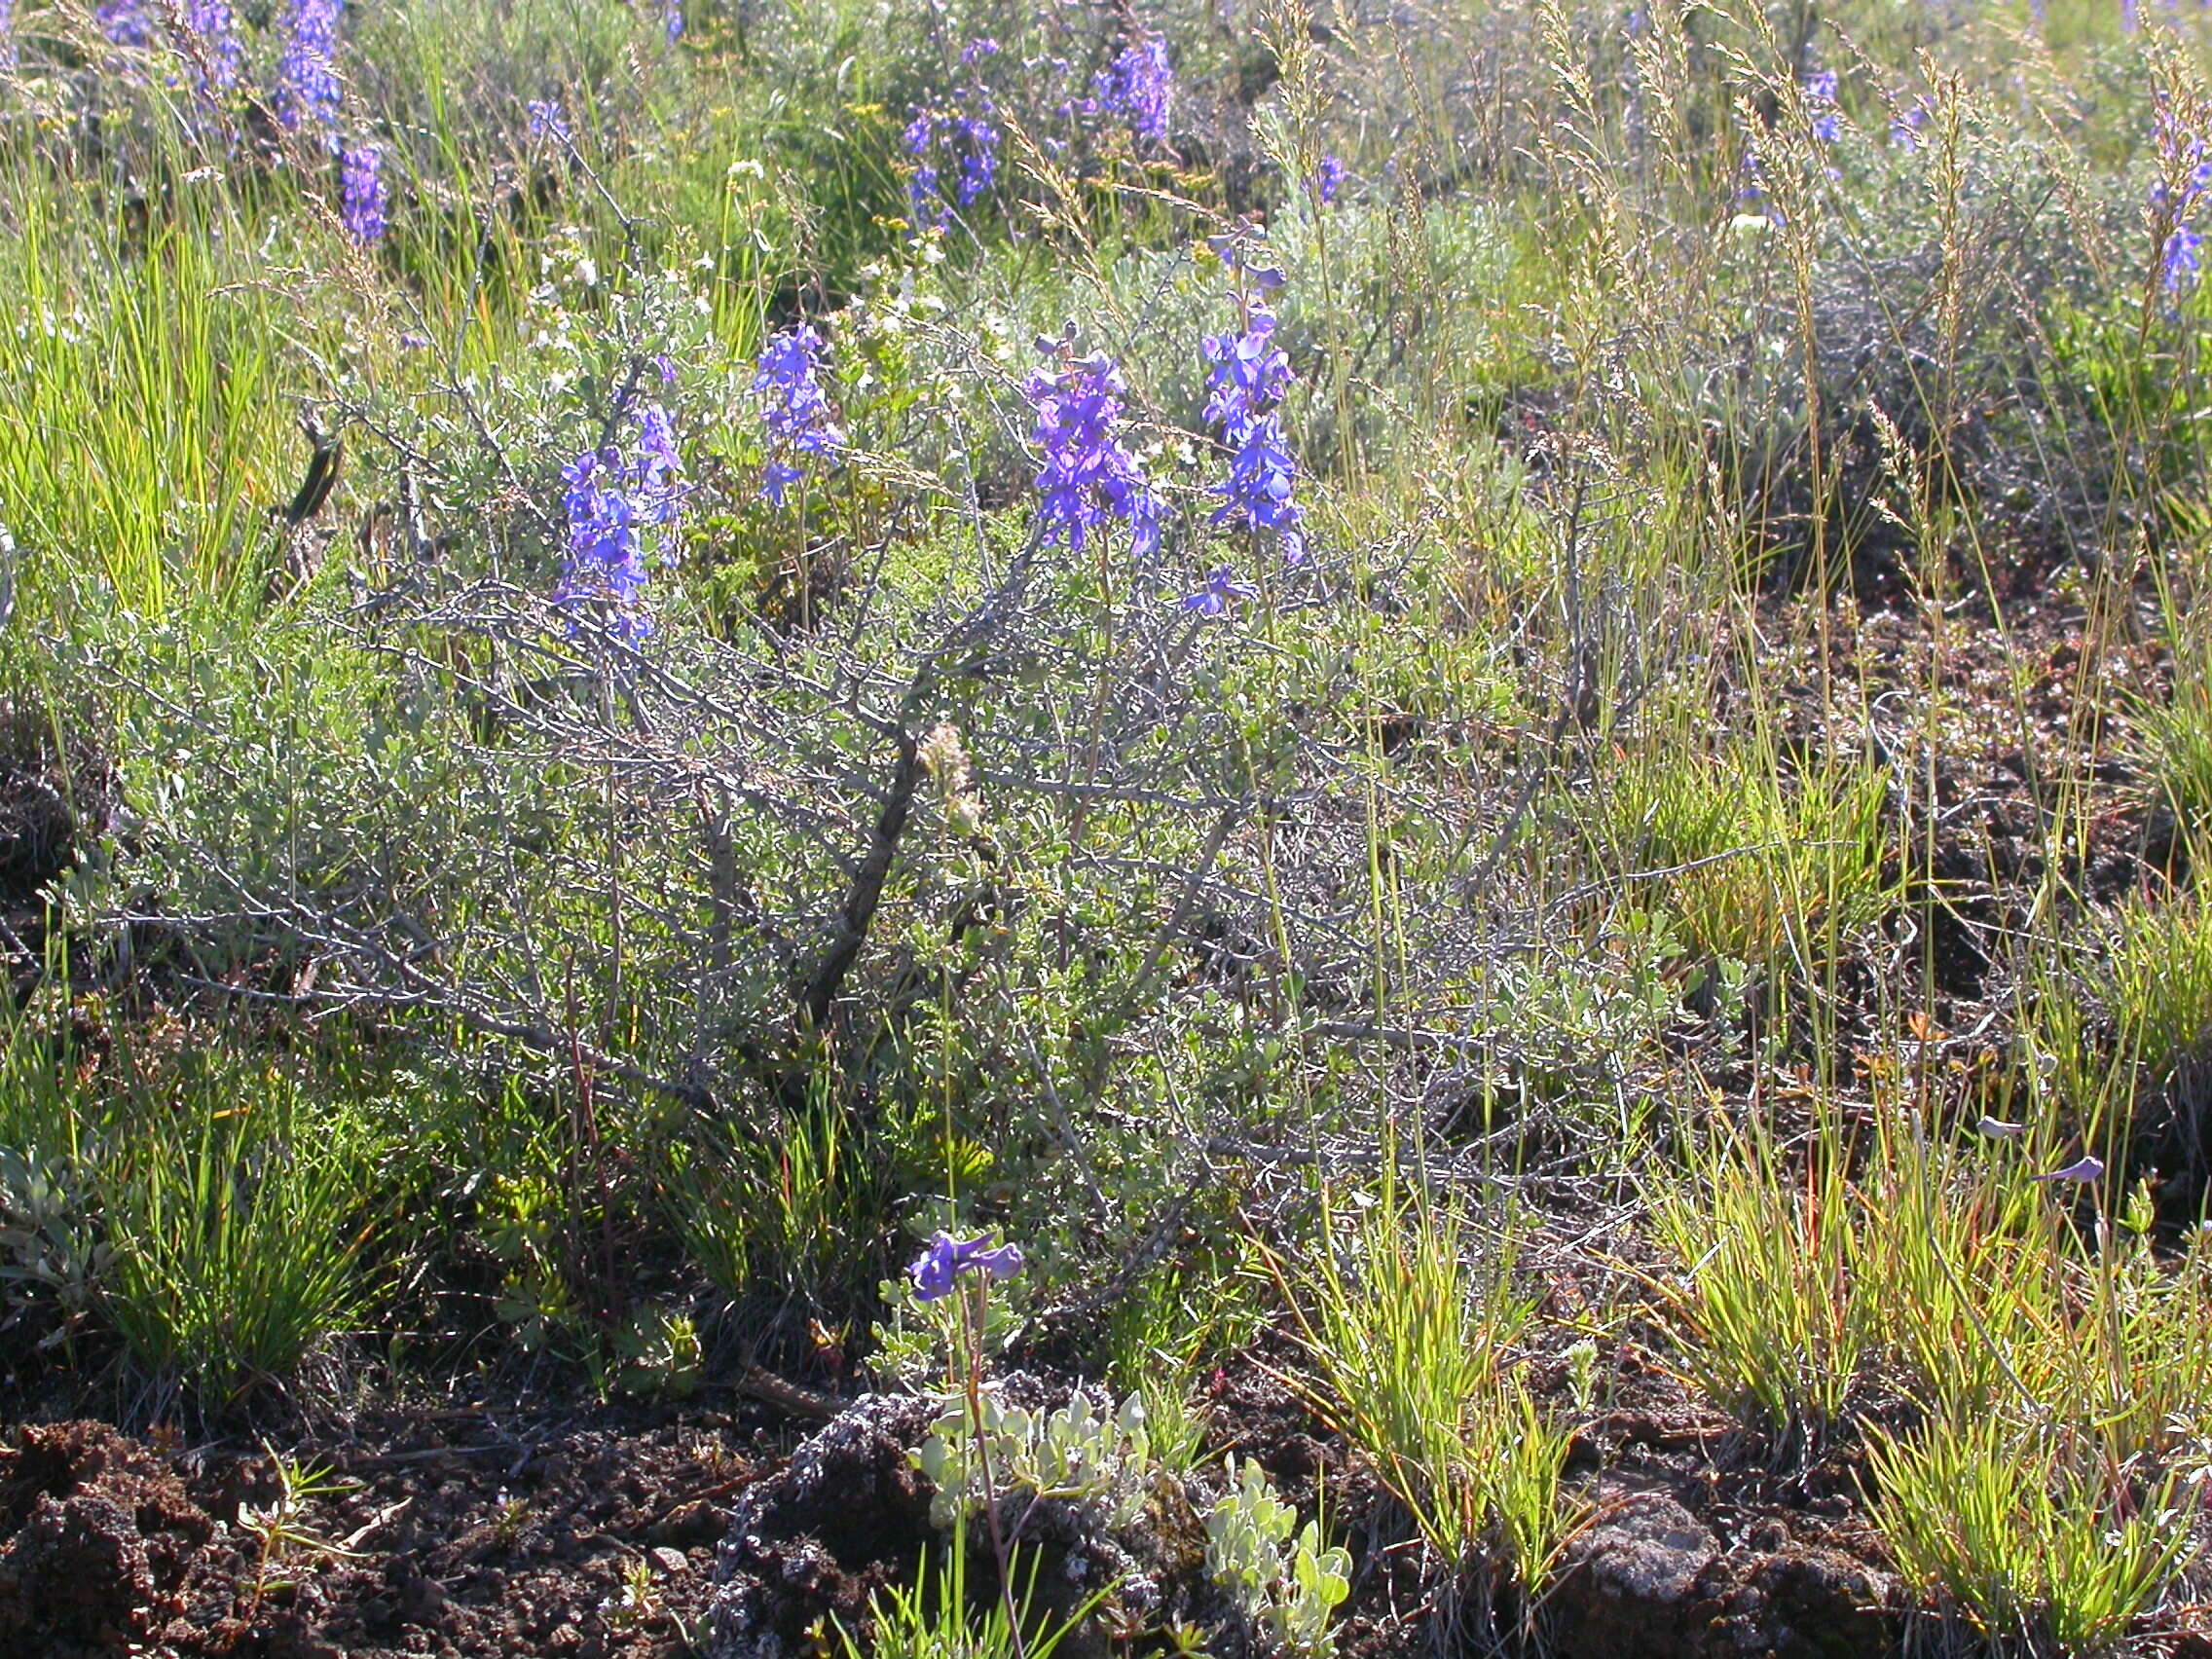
(2037, 1546)
(1767, 1245)
(239, 1236)
(1410, 1321)
(2118, 1022)
(1752, 863)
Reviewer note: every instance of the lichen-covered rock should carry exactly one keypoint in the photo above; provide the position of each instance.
(1631, 1581)
(849, 1516)
(1649, 1580)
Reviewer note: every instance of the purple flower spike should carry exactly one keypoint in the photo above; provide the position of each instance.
(611, 505)
(212, 30)
(307, 83)
(216, 24)
(1328, 179)
(1140, 86)
(795, 410)
(934, 1269)
(1000, 1264)
(776, 478)
(1088, 475)
(1221, 593)
(2180, 256)
(604, 563)
(938, 1266)
(366, 196)
(1820, 89)
(546, 120)
(1249, 377)
(2085, 1171)
(657, 474)
(2180, 262)
(1751, 191)
(125, 22)
(960, 134)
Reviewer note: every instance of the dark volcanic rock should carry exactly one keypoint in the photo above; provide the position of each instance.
(1630, 1585)
(1651, 1581)
(849, 1515)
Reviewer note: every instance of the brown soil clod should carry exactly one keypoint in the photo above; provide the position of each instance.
(99, 1537)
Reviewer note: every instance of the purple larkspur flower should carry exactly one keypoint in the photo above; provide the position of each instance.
(922, 197)
(1139, 86)
(1088, 477)
(937, 1268)
(204, 33)
(657, 473)
(2179, 150)
(962, 133)
(1222, 593)
(366, 194)
(307, 76)
(2184, 155)
(1261, 484)
(546, 120)
(794, 408)
(1243, 259)
(1248, 374)
(125, 22)
(1751, 189)
(1819, 89)
(2180, 262)
(2085, 1171)
(671, 20)
(215, 26)
(612, 502)
(604, 566)
(1247, 378)
(1328, 179)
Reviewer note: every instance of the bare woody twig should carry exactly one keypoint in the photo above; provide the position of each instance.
(866, 889)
